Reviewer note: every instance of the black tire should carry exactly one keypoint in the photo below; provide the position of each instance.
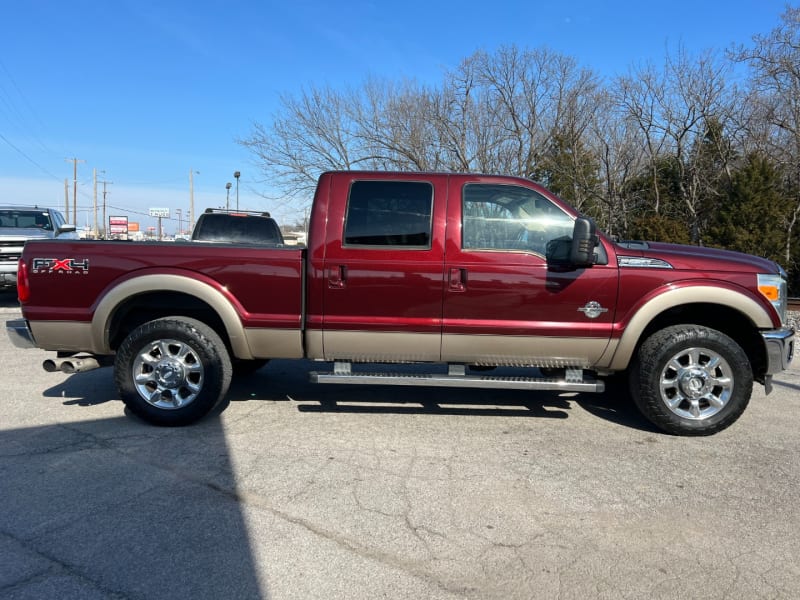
(691, 380)
(172, 371)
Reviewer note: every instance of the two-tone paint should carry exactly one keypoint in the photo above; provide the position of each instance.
(441, 303)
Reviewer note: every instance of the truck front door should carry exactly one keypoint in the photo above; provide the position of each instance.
(501, 300)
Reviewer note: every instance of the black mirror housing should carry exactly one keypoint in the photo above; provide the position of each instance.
(584, 240)
(576, 251)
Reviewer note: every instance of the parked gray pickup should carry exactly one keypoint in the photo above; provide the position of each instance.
(18, 224)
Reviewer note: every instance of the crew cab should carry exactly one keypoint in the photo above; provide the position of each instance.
(468, 271)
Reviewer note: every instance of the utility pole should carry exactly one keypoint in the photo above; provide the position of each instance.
(178, 210)
(75, 162)
(66, 199)
(94, 195)
(105, 218)
(191, 197)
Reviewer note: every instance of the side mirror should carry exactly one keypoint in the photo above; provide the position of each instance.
(66, 228)
(576, 251)
(584, 240)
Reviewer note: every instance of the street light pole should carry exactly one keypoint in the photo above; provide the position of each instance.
(236, 174)
(228, 196)
(191, 196)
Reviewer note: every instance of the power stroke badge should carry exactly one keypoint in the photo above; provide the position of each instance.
(61, 266)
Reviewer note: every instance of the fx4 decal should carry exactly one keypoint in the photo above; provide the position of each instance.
(65, 266)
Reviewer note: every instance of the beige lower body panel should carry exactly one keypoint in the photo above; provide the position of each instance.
(511, 350)
(71, 336)
(498, 350)
(275, 343)
(368, 346)
(378, 346)
(64, 336)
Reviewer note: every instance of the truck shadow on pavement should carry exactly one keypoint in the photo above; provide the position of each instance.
(287, 381)
(783, 384)
(107, 509)
(85, 389)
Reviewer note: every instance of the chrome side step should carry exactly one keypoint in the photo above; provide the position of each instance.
(574, 380)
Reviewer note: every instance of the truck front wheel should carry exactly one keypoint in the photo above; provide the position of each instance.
(172, 371)
(691, 380)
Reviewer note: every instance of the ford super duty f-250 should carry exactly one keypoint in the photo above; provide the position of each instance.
(470, 271)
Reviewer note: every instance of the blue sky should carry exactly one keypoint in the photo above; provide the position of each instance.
(147, 91)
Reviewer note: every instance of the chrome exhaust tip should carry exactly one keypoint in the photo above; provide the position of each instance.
(70, 365)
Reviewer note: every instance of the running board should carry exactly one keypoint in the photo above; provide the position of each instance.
(457, 377)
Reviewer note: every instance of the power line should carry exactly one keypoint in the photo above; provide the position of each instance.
(7, 141)
(15, 114)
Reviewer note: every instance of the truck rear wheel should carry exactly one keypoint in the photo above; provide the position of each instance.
(691, 380)
(172, 371)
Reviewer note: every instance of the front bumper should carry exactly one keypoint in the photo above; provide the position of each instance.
(20, 334)
(780, 349)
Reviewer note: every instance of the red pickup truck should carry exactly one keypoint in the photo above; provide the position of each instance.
(470, 271)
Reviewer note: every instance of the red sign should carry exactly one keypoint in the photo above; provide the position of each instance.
(118, 225)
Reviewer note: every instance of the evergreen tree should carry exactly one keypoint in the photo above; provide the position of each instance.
(752, 218)
(570, 171)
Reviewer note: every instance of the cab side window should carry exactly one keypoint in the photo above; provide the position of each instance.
(43, 222)
(509, 217)
(389, 214)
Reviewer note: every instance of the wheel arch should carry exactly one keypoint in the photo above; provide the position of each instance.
(728, 311)
(139, 299)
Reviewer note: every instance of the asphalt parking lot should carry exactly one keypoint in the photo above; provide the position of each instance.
(302, 491)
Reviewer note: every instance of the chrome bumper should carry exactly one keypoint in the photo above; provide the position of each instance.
(20, 334)
(780, 349)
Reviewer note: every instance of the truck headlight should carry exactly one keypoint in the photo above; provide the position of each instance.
(773, 288)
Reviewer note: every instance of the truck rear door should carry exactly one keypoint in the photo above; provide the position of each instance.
(383, 268)
(501, 301)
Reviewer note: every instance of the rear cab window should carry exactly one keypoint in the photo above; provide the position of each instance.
(236, 228)
(389, 214)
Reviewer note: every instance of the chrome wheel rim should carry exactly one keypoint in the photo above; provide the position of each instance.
(168, 374)
(696, 383)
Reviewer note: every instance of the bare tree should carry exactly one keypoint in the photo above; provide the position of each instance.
(639, 97)
(617, 143)
(529, 93)
(393, 126)
(695, 119)
(775, 96)
(310, 134)
(681, 112)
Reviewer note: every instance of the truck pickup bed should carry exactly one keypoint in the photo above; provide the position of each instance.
(460, 269)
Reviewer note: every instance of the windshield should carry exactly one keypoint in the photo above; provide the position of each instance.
(25, 219)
